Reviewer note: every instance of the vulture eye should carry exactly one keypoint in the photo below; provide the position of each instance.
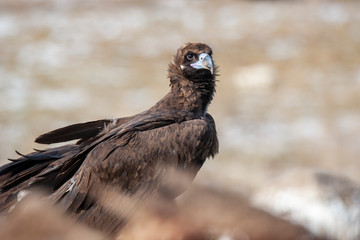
(190, 57)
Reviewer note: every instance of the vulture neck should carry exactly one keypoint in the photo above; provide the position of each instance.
(189, 95)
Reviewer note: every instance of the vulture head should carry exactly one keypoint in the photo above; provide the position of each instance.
(193, 62)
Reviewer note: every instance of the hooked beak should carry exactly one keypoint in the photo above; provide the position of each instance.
(205, 62)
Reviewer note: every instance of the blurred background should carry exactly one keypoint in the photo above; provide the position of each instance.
(288, 95)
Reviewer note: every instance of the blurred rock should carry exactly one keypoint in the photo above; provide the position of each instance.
(326, 204)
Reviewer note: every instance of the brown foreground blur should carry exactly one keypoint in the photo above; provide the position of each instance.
(37, 219)
(303, 205)
(202, 213)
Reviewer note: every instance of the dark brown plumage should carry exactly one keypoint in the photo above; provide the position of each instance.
(129, 155)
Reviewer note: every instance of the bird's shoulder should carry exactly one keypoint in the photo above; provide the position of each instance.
(164, 144)
(163, 129)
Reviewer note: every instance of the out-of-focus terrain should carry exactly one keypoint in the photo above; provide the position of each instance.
(288, 94)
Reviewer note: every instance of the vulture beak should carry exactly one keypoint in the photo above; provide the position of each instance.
(205, 62)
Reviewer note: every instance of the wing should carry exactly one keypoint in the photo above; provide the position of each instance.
(136, 161)
(141, 122)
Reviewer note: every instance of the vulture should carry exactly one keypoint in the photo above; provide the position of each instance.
(130, 155)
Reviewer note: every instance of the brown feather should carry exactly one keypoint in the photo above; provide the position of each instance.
(72, 132)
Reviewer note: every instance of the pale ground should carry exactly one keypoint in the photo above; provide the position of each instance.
(288, 95)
